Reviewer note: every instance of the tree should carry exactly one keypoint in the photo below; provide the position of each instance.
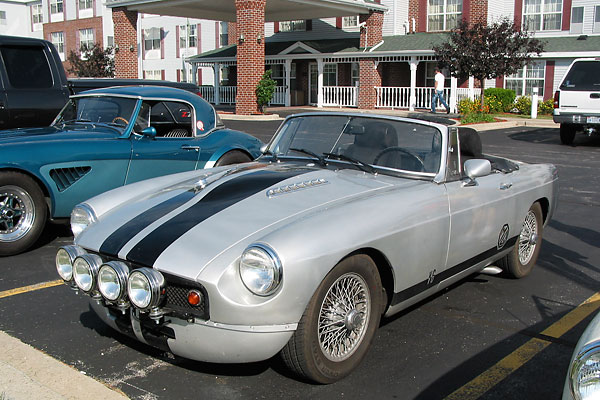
(487, 51)
(92, 62)
(265, 90)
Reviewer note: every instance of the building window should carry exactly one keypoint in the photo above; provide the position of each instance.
(58, 40)
(86, 38)
(2, 17)
(85, 4)
(526, 79)
(597, 19)
(36, 14)
(155, 75)
(355, 78)
(223, 34)
(110, 41)
(350, 22)
(292, 26)
(224, 76)
(542, 15)
(330, 75)
(187, 37)
(278, 74)
(56, 6)
(577, 20)
(152, 39)
(443, 15)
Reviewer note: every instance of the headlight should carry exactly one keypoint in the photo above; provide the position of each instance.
(585, 373)
(81, 216)
(64, 261)
(112, 280)
(85, 271)
(145, 288)
(260, 270)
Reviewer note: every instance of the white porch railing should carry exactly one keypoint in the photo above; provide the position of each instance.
(227, 94)
(278, 96)
(399, 97)
(340, 96)
(208, 93)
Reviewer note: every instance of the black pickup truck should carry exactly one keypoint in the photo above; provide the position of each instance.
(34, 86)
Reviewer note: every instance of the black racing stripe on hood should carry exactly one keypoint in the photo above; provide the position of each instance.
(125, 233)
(227, 194)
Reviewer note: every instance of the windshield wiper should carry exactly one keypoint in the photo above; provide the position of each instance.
(360, 164)
(320, 159)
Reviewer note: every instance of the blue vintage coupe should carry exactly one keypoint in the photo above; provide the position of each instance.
(103, 139)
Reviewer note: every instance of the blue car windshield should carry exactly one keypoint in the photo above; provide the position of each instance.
(374, 144)
(109, 110)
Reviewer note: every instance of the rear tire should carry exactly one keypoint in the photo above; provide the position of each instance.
(233, 157)
(567, 133)
(23, 212)
(339, 323)
(522, 258)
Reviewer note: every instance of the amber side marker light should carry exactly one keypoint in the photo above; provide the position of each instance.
(194, 298)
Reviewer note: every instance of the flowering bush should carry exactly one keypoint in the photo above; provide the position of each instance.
(523, 105)
(468, 106)
(546, 107)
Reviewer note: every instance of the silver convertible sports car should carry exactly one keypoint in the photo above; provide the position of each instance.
(345, 218)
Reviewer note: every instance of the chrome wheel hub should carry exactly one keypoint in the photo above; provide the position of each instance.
(528, 238)
(344, 317)
(16, 213)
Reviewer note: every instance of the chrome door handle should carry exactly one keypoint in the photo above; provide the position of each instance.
(188, 147)
(504, 186)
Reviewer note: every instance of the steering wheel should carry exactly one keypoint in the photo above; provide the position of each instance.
(114, 121)
(399, 150)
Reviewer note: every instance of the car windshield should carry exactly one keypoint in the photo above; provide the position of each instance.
(108, 110)
(368, 143)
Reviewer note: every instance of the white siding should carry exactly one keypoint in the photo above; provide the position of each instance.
(321, 29)
(395, 19)
(18, 20)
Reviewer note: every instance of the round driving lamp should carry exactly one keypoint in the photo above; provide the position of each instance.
(145, 288)
(85, 271)
(260, 269)
(65, 256)
(112, 280)
(585, 373)
(81, 217)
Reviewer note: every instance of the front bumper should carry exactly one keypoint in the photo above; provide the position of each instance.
(200, 340)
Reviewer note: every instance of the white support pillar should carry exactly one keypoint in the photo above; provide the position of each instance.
(217, 69)
(413, 83)
(453, 94)
(471, 88)
(194, 73)
(288, 82)
(320, 68)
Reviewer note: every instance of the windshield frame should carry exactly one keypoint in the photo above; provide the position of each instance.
(433, 176)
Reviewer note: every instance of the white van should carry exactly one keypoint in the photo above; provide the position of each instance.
(577, 100)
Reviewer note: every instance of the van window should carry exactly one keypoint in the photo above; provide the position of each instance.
(583, 76)
(27, 67)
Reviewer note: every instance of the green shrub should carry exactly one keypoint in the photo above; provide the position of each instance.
(468, 106)
(472, 118)
(546, 107)
(523, 105)
(504, 99)
(265, 90)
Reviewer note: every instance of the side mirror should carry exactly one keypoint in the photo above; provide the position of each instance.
(149, 132)
(476, 168)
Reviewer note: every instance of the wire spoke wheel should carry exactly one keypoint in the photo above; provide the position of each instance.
(528, 238)
(343, 317)
(17, 213)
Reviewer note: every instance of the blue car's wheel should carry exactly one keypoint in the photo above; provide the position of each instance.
(233, 157)
(22, 212)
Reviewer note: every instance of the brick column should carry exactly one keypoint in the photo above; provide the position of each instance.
(126, 59)
(250, 20)
(369, 72)
(232, 33)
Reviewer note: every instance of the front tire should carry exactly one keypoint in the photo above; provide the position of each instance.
(23, 212)
(522, 258)
(339, 323)
(567, 133)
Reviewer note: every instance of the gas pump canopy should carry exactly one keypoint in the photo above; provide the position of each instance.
(275, 10)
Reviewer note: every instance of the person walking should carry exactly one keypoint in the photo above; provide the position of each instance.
(438, 91)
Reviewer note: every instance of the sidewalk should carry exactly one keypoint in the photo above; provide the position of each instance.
(27, 373)
(279, 113)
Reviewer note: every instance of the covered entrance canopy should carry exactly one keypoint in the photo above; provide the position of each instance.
(275, 10)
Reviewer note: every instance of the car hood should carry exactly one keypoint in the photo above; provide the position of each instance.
(181, 228)
(50, 133)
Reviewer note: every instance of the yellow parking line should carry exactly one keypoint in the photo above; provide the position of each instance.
(30, 288)
(484, 382)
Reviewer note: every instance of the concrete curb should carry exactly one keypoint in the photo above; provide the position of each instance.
(533, 123)
(27, 373)
(263, 117)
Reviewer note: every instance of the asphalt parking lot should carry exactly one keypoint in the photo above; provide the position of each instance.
(483, 329)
